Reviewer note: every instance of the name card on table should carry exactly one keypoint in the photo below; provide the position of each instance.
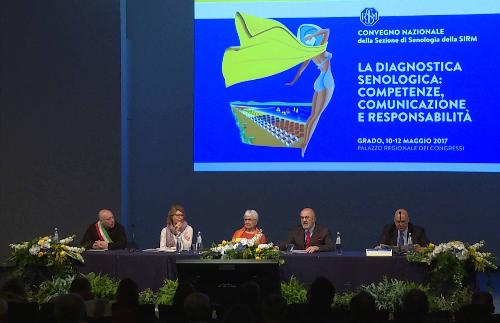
(378, 252)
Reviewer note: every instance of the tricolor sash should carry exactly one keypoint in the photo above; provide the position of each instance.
(102, 232)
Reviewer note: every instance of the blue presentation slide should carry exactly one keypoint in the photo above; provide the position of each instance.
(347, 86)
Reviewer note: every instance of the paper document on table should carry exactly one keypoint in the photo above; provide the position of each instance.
(166, 249)
(299, 251)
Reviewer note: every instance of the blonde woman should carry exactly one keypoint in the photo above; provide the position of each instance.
(176, 224)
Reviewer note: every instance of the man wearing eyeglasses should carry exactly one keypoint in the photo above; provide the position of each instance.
(309, 235)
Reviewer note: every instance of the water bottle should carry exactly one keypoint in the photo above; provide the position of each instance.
(199, 243)
(410, 242)
(178, 243)
(55, 237)
(338, 244)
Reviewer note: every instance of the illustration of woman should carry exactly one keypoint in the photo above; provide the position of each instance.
(267, 48)
(312, 35)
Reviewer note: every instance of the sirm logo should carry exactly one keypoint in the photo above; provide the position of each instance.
(369, 16)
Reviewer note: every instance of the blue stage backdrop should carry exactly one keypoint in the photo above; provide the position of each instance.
(167, 92)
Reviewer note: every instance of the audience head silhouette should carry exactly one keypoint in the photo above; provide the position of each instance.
(69, 308)
(484, 298)
(81, 286)
(127, 293)
(197, 307)
(362, 307)
(321, 293)
(414, 307)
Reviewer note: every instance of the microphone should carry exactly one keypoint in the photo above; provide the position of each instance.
(399, 244)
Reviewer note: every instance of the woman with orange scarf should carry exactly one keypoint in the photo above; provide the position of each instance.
(249, 229)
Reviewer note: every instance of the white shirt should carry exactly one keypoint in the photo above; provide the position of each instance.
(186, 238)
(311, 231)
(405, 237)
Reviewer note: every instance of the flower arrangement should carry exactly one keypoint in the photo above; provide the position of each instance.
(453, 262)
(56, 255)
(242, 248)
(463, 252)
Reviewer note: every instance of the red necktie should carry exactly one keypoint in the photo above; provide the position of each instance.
(308, 239)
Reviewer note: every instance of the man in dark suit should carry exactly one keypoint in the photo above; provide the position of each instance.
(105, 234)
(309, 235)
(397, 233)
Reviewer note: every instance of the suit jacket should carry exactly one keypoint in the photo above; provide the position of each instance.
(117, 234)
(390, 235)
(321, 237)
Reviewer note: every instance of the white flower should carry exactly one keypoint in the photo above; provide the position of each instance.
(34, 250)
(20, 246)
(463, 255)
(265, 246)
(66, 240)
(244, 241)
(75, 249)
(255, 238)
(456, 244)
(223, 249)
(478, 245)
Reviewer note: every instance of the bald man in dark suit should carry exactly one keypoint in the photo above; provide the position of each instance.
(398, 232)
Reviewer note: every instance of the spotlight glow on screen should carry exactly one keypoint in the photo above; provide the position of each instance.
(347, 85)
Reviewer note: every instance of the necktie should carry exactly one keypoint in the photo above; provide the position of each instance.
(401, 241)
(308, 239)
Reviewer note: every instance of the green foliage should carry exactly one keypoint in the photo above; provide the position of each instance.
(448, 273)
(293, 291)
(167, 292)
(51, 288)
(102, 285)
(342, 301)
(451, 302)
(388, 294)
(147, 296)
(210, 253)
